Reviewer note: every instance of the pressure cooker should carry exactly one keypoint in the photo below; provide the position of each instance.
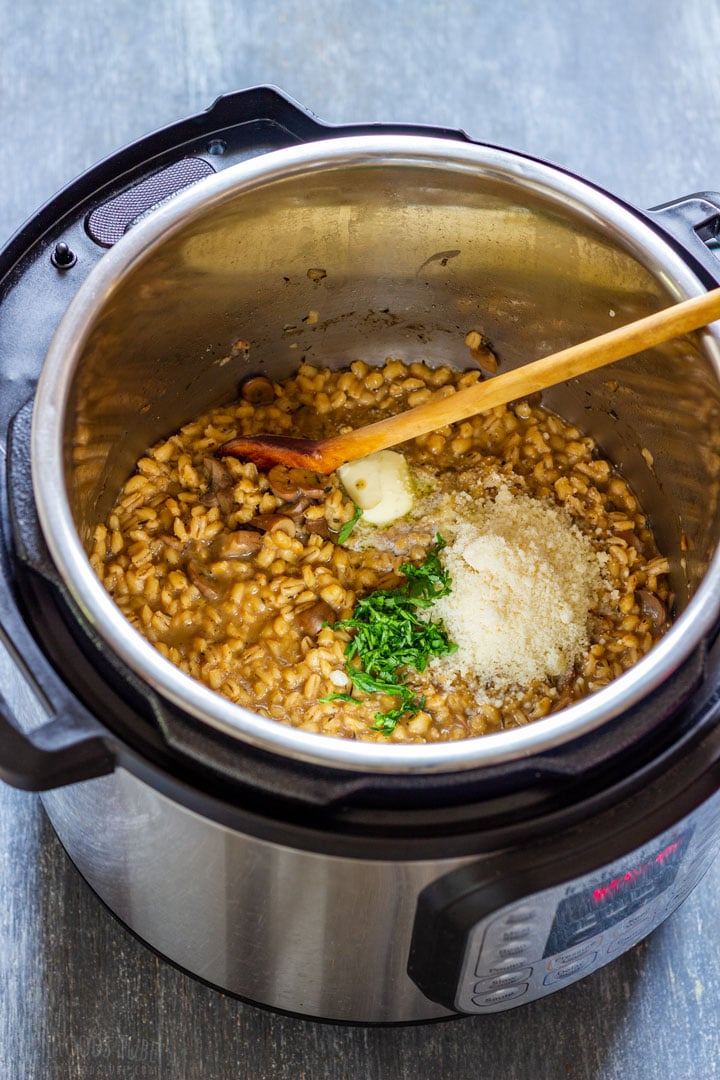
(339, 879)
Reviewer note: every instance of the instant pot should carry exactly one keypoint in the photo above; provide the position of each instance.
(338, 879)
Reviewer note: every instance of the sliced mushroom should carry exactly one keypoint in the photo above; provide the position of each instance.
(652, 606)
(632, 539)
(481, 351)
(238, 544)
(289, 484)
(273, 523)
(565, 684)
(257, 389)
(297, 509)
(226, 502)
(319, 526)
(220, 486)
(217, 474)
(201, 583)
(311, 619)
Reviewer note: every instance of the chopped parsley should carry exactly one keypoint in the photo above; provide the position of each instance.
(350, 525)
(390, 634)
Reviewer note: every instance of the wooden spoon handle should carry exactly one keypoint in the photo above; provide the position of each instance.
(539, 375)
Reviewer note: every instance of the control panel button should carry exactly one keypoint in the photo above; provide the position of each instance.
(516, 933)
(513, 920)
(571, 956)
(626, 941)
(510, 978)
(567, 971)
(499, 967)
(505, 952)
(502, 932)
(497, 997)
(523, 914)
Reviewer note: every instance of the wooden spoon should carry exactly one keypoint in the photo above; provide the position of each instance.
(325, 455)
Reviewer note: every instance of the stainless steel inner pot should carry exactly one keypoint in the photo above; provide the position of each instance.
(419, 240)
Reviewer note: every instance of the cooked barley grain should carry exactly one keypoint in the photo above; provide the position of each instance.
(226, 614)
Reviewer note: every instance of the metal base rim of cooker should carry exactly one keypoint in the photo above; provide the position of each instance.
(450, 1017)
(689, 800)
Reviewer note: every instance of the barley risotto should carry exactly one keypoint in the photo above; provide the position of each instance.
(511, 573)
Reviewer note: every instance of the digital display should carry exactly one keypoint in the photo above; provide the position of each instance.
(588, 912)
(621, 884)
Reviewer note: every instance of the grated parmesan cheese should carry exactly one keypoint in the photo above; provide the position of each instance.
(524, 582)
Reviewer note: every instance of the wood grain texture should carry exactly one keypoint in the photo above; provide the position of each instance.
(627, 95)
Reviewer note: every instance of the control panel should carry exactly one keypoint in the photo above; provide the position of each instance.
(556, 937)
(477, 955)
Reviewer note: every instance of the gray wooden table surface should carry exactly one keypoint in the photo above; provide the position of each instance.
(626, 93)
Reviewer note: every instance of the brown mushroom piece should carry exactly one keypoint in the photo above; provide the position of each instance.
(220, 486)
(217, 474)
(319, 526)
(273, 523)
(289, 484)
(632, 539)
(297, 509)
(257, 389)
(652, 606)
(311, 619)
(481, 351)
(238, 544)
(201, 583)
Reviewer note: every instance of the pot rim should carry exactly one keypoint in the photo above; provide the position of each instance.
(51, 400)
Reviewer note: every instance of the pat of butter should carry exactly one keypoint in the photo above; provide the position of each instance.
(380, 484)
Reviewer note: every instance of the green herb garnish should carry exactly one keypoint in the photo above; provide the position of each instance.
(350, 525)
(390, 635)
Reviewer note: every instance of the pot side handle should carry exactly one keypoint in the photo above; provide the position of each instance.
(64, 750)
(269, 103)
(70, 745)
(693, 221)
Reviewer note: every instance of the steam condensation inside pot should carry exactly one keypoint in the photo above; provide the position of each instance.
(523, 576)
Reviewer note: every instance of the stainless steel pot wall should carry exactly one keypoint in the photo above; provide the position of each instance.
(419, 240)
